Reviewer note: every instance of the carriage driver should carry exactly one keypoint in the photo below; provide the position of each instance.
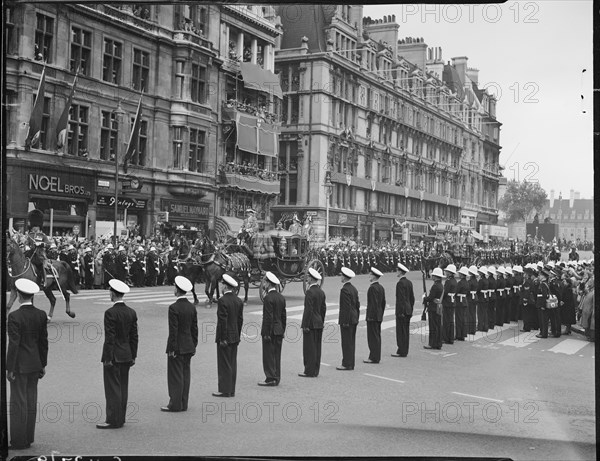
(37, 239)
(249, 227)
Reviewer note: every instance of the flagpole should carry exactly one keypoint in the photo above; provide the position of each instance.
(119, 112)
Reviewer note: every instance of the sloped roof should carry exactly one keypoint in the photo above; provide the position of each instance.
(309, 21)
(452, 80)
(579, 205)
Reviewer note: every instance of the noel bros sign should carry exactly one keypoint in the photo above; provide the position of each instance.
(55, 184)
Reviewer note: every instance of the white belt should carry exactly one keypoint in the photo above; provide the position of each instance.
(451, 296)
(473, 293)
(461, 295)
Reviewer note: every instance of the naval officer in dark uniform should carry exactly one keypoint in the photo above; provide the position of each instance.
(272, 330)
(348, 318)
(230, 317)
(375, 308)
(405, 302)
(181, 346)
(118, 355)
(26, 360)
(313, 319)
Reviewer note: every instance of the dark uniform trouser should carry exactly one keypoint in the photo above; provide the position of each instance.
(500, 308)
(227, 367)
(374, 339)
(471, 316)
(178, 381)
(482, 316)
(271, 357)
(348, 335)
(435, 328)
(311, 350)
(461, 328)
(512, 310)
(529, 317)
(448, 324)
(23, 408)
(492, 313)
(402, 334)
(543, 318)
(116, 389)
(555, 324)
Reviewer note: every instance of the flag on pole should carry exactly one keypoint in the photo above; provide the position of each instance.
(63, 123)
(133, 139)
(35, 121)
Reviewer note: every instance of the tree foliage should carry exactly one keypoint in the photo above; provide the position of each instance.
(520, 199)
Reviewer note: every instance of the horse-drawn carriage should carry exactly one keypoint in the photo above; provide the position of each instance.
(289, 256)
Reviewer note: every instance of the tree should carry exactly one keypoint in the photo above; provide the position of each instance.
(520, 199)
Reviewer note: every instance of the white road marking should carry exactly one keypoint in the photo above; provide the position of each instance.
(522, 340)
(478, 397)
(325, 364)
(568, 346)
(448, 355)
(383, 377)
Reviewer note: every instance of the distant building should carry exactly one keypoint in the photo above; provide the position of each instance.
(381, 139)
(574, 216)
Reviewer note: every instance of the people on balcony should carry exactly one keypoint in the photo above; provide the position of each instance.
(247, 169)
(258, 111)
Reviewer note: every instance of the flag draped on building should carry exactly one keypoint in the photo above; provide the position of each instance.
(132, 146)
(63, 123)
(35, 121)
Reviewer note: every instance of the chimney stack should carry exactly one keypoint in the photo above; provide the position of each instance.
(571, 198)
(577, 195)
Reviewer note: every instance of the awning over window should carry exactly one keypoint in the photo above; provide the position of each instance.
(256, 136)
(250, 183)
(257, 78)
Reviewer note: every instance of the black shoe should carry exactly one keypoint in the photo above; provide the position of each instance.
(267, 383)
(304, 375)
(168, 409)
(540, 336)
(107, 426)
(525, 331)
(428, 347)
(19, 447)
(344, 368)
(460, 339)
(369, 361)
(448, 342)
(222, 394)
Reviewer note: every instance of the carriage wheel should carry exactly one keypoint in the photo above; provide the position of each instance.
(316, 265)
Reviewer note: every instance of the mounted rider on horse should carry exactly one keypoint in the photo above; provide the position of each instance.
(36, 245)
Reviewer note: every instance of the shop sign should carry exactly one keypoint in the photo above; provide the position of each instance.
(189, 210)
(311, 213)
(124, 202)
(76, 229)
(494, 231)
(56, 184)
(418, 228)
(342, 218)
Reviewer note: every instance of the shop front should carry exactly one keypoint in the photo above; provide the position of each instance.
(343, 226)
(186, 215)
(64, 196)
(383, 230)
(130, 211)
(417, 232)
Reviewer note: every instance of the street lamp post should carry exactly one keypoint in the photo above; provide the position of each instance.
(328, 191)
(119, 113)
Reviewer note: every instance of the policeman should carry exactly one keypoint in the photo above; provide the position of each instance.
(449, 303)
(375, 307)
(462, 295)
(431, 302)
(272, 330)
(348, 318)
(405, 302)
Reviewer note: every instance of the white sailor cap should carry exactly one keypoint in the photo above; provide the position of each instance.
(152, 248)
(376, 272)
(229, 280)
(402, 267)
(272, 278)
(141, 248)
(109, 246)
(500, 270)
(27, 286)
(483, 270)
(118, 286)
(314, 274)
(87, 250)
(508, 270)
(53, 245)
(183, 283)
(464, 270)
(71, 247)
(473, 270)
(348, 272)
(121, 248)
(491, 270)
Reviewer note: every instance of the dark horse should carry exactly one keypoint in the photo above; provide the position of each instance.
(23, 267)
(193, 269)
(227, 261)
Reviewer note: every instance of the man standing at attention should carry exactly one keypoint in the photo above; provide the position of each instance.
(272, 331)
(433, 302)
(181, 346)
(313, 319)
(230, 317)
(405, 302)
(26, 360)
(118, 355)
(375, 307)
(348, 318)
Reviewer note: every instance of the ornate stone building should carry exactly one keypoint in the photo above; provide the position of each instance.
(380, 139)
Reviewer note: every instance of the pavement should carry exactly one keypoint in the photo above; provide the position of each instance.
(504, 393)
